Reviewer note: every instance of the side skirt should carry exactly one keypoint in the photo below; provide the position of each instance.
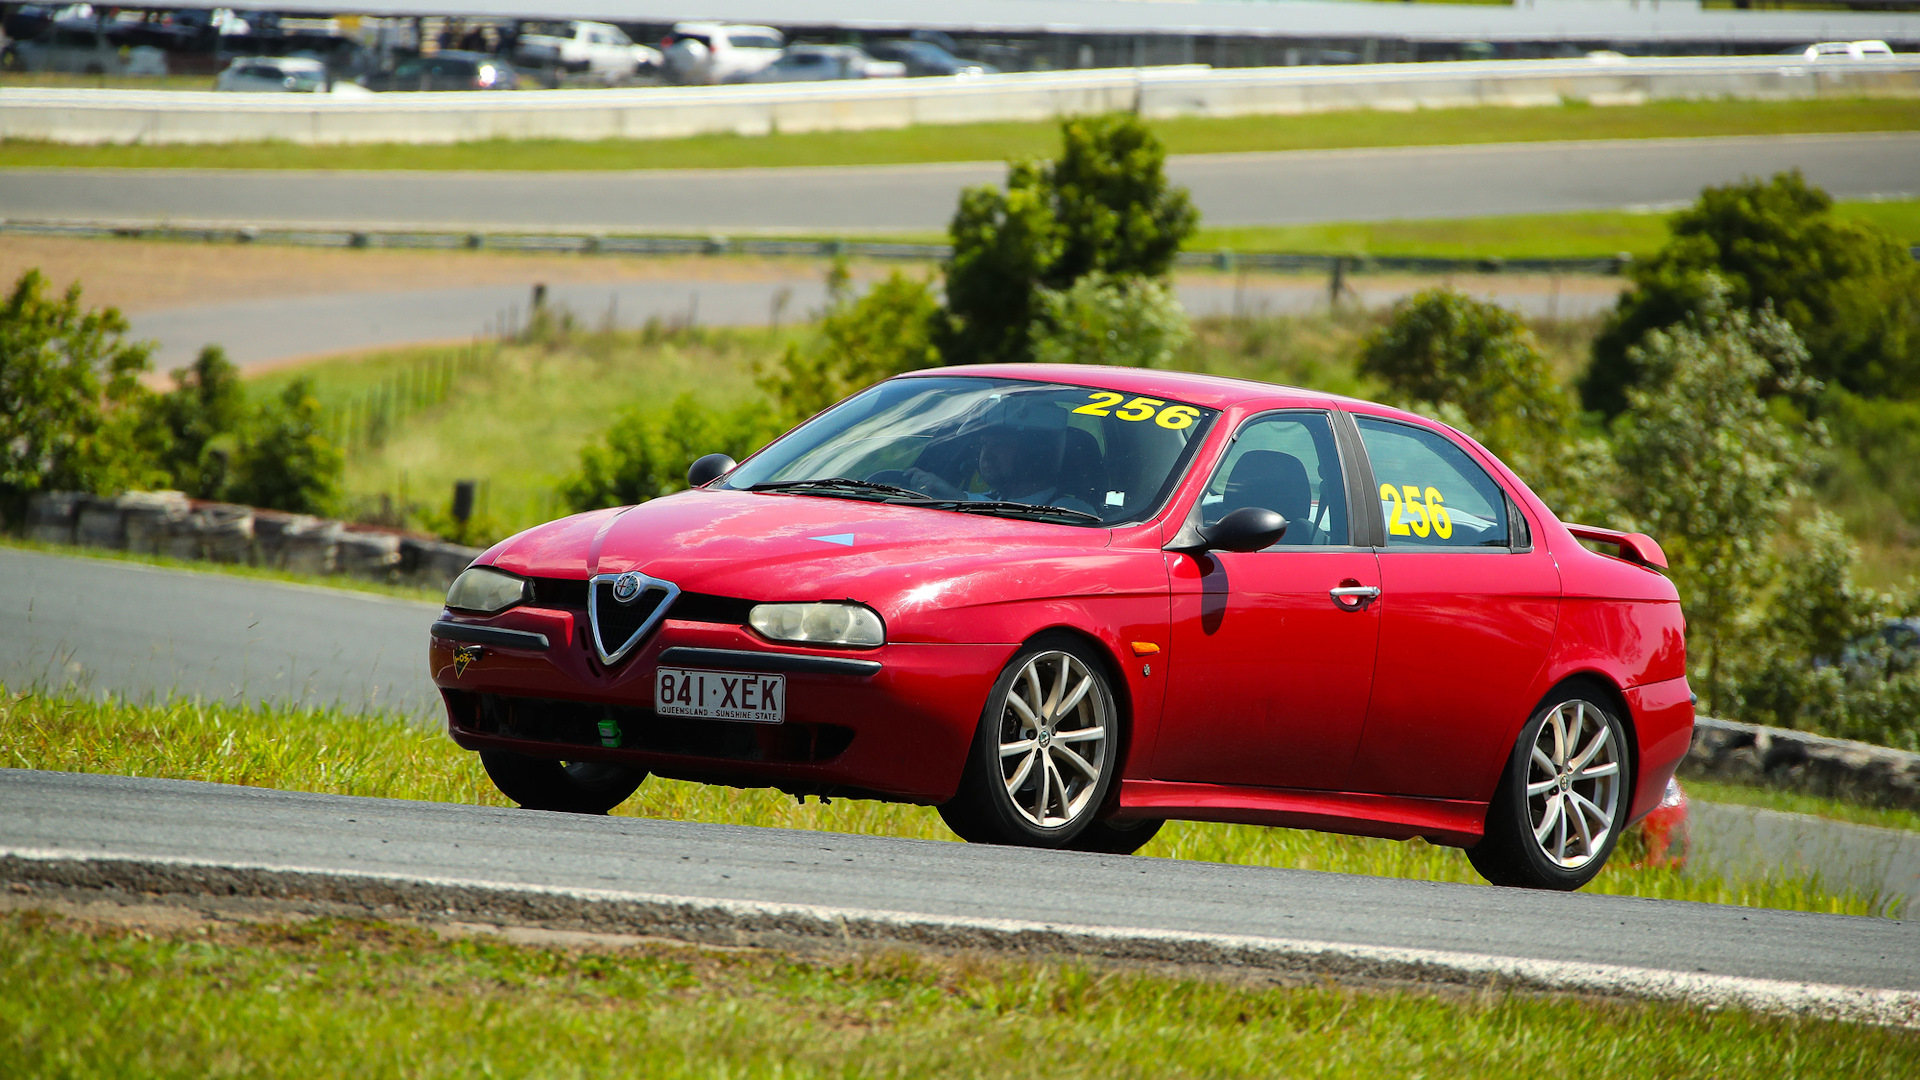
(1449, 822)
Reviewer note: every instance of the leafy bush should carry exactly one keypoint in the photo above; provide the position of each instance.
(1850, 289)
(1103, 207)
(645, 454)
(285, 460)
(885, 332)
(72, 413)
(1708, 469)
(202, 415)
(1130, 321)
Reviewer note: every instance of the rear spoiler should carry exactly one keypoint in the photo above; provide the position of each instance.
(1633, 547)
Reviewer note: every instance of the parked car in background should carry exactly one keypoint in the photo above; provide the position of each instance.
(706, 53)
(924, 58)
(1848, 50)
(592, 47)
(274, 74)
(450, 70)
(1066, 603)
(82, 48)
(818, 63)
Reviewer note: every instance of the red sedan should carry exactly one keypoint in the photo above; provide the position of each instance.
(1065, 604)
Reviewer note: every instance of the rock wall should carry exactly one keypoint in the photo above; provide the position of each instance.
(1797, 761)
(169, 523)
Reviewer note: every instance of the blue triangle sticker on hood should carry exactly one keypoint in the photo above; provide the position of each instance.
(843, 539)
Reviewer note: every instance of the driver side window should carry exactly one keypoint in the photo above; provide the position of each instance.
(1285, 462)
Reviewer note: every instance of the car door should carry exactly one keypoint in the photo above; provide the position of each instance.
(1467, 611)
(1269, 667)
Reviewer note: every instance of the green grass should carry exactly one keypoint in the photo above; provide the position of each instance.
(348, 998)
(1794, 802)
(258, 573)
(72, 80)
(999, 141)
(386, 757)
(518, 417)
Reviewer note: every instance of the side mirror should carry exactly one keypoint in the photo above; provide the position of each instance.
(1249, 528)
(708, 469)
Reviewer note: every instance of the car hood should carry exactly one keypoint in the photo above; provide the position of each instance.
(761, 546)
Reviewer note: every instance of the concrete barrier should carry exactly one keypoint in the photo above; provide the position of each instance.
(142, 116)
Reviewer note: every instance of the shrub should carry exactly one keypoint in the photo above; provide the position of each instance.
(1709, 469)
(202, 415)
(885, 332)
(645, 454)
(1851, 290)
(72, 410)
(1103, 207)
(285, 461)
(1130, 321)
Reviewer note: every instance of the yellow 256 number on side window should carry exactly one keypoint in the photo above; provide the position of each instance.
(1426, 514)
(1172, 417)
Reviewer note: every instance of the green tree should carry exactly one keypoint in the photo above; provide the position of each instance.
(72, 410)
(861, 341)
(285, 460)
(203, 415)
(645, 454)
(1708, 469)
(1099, 319)
(1850, 289)
(1104, 206)
(1476, 365)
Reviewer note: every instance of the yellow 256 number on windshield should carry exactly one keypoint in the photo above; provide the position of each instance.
(1172, 417)
(1426, 514)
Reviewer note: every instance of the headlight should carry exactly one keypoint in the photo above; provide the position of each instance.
(486, 590)
(819, 624)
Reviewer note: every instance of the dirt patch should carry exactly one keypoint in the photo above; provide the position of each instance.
(154, 275)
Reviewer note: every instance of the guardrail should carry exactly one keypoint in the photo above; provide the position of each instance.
(594, 244)
(124, 116)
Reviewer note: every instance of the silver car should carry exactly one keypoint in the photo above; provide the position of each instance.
(274, 74)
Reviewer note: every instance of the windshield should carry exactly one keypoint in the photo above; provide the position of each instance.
(1100, 457)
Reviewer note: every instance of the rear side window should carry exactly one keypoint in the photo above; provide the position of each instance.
(1287, 463)
(1432, 494)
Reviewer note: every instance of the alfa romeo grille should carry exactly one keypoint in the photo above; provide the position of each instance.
(618, 627)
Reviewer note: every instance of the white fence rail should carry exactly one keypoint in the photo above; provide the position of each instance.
(129, 116)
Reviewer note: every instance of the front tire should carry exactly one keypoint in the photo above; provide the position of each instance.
(1045, 754)
(1118, 837)
(1563, 798)
(568, 787)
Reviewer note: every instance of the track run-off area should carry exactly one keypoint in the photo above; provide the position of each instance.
(108, 627)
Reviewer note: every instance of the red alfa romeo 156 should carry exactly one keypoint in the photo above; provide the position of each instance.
(1065, 604)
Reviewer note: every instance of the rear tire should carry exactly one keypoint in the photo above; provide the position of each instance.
(1045, 754)
(1563, 798)
(568, 787)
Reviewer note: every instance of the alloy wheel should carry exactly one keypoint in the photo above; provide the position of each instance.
(1054, 734)
(1573, 784)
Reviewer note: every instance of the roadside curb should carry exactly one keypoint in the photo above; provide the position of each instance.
(747, 922)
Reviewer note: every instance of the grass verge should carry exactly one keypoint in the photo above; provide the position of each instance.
(1794, 802)
(386, 757)
(1358, 129)
(329, 998)
(258, 573)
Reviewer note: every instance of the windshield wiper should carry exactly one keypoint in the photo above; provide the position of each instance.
(992, 506)
(843, 483)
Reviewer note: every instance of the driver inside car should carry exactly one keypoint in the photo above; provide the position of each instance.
(1023, 445)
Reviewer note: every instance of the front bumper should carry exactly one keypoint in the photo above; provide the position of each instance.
(894, 722)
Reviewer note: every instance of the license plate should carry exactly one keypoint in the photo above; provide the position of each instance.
(720, 695)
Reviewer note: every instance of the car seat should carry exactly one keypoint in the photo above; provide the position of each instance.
(1275, 481)
(1083, 471)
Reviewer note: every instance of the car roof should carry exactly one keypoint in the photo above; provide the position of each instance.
(284, 61)
(1212, 391)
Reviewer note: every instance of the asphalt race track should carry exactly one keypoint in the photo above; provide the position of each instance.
(108, 627)
(1230, 189)
(73, 817)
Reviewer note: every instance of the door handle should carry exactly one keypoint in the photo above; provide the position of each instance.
(1354, 597)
